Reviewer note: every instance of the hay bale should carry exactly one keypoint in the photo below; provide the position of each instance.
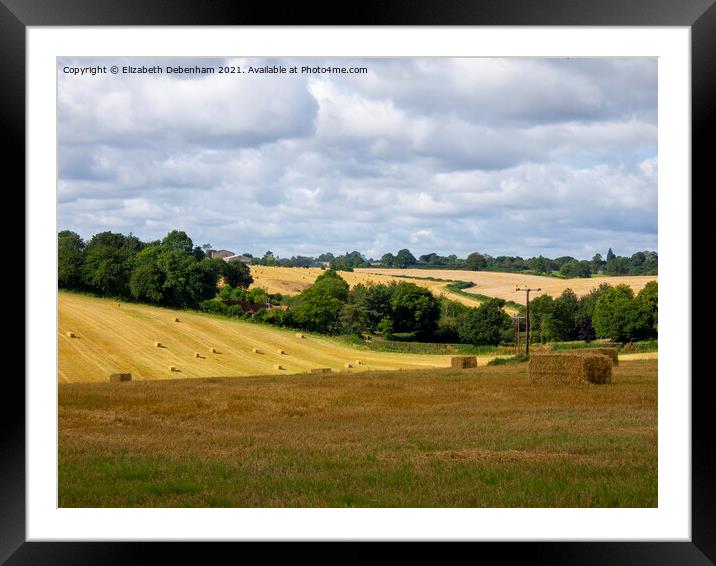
(281, 352)
(157, 344)
(321, 370)
(611, 353)
(119, 304)
(347, 365)
(256, 351)
(569, 369)
(277, 366)
(359, 363)
(119, 377)
(462, 362)
(70, 334)
(172, 368)
(213, 350)
(300, 335)
(176, 319)
(197, 355)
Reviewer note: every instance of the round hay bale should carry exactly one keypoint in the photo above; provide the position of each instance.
(256, 351)
(172, 368)
(196, 355)
(70, 334)
(281, 352)
(347, 365)
(300, 335)
(359, 363)
(213, 350)
(157, 344)
(176, 319)
(277, 366)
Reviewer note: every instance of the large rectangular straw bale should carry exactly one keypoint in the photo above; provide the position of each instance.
(611, 353)
(567, 369)
(462, 362)
(118, 377)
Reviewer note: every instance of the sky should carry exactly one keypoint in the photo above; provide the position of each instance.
(520, 156)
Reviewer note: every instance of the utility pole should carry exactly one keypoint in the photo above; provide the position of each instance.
(527, 320)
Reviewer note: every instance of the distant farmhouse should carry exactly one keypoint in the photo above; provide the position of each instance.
(227, 255)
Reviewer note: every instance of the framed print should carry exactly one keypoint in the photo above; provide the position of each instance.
(392, 278)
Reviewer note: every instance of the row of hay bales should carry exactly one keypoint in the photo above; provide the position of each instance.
(590, 365)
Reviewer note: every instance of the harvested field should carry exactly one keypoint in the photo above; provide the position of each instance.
(293, 280)
(430, 438)
(503, 285)
(123, 340)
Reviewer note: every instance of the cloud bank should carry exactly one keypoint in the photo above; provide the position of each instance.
(504, 156)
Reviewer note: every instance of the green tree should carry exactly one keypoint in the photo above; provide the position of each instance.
(318, 311)
(615, 314)
(476, 261)
(108, 262)
(414, 309)
(179, 241)
(404, 259)
(485, 324)
(387, 260)
(236, 274)
(70, 256)
(647, 311)
(146, 280)
(541, 314)
(333, 284)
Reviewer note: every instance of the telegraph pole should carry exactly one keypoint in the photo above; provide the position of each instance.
(527, 320)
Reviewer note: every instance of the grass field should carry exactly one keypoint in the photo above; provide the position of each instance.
(430, 438)
(503, 285)
(110, 338)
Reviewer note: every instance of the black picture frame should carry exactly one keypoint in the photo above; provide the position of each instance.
(699, 15)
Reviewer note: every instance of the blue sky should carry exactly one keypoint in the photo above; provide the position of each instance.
(504, 156)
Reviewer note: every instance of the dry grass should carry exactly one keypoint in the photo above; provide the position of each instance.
(503, 285)
(432, 438)
(122, 340)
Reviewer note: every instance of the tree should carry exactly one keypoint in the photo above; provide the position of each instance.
(585, 330)
(333, 284)
(476, 261)
(615, 314)
(374, 302)
(610, 255)
(387, 260)
(541, 326)
(179, 241)
(236, 274)
(414, 309)
(146, 280)
(318, 311)
(404, 259)
(70, 256)
(485, 324)
(108, 263)
(562, 324)
(647, 311)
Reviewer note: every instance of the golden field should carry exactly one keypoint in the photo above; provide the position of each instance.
(503, 285)
(293, 280)
(480, 437)
(112, 339)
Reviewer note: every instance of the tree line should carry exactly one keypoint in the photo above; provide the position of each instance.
(640, 263)
(172, 272)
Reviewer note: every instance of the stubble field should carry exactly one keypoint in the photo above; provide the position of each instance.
(429, 438)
